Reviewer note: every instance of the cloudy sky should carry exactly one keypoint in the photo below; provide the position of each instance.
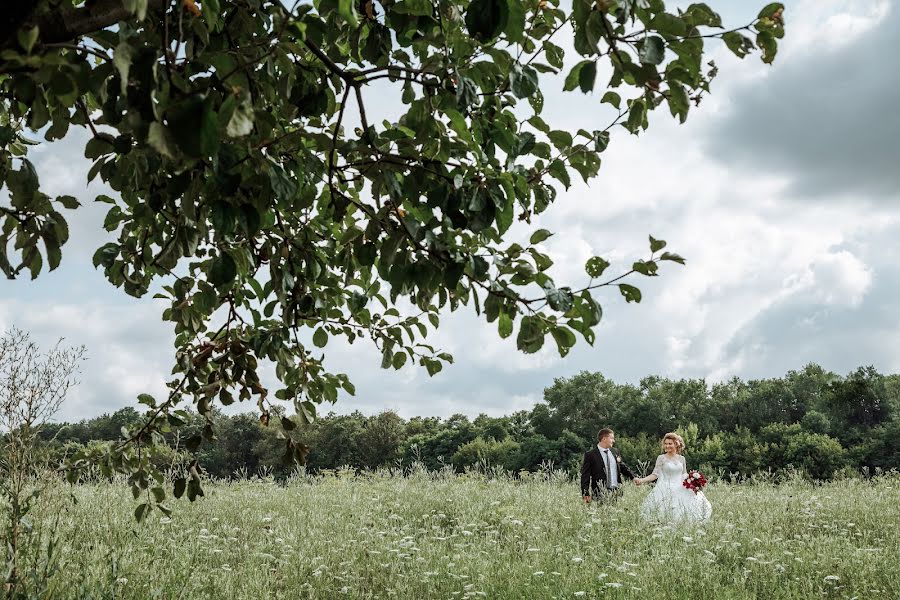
(781, 190)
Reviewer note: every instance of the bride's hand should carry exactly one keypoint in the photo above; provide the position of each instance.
(637, 481)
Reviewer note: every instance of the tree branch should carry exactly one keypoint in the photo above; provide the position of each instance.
(65, 25)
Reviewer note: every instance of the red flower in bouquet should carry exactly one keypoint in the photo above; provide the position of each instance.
(695, 481)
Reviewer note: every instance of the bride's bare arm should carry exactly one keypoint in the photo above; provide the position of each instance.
(657, 469)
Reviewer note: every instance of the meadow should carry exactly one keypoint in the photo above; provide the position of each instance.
(438, 535)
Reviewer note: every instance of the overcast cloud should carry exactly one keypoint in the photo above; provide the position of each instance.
(781, 190)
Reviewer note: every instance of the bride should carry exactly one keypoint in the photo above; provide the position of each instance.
(670, 501)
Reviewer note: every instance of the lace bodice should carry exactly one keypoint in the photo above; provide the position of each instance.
(670, 470)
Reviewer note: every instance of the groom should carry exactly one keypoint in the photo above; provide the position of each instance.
(602, 469)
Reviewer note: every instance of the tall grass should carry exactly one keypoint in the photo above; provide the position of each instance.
(427, 535)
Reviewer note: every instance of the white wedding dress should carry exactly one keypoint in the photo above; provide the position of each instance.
(670, 501)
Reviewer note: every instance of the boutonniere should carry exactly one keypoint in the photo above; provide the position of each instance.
(618, 459)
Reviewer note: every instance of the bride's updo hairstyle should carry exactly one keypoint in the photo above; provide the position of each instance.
(679, 441)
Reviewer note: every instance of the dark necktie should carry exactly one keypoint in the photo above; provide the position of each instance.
(609, 482)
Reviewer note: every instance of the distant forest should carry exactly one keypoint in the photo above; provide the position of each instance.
(813, 421)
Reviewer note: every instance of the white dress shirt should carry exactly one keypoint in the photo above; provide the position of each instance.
(612, 469)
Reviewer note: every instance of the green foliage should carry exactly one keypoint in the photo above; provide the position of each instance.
(245, 200)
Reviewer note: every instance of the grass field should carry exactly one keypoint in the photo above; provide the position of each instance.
(439, 536)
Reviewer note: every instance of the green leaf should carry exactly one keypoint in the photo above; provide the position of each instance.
(515, 25)
(587, 77)
(555, 55)
(652, 50)
(531, 335)
(523, 81)
(160, 139)
(179, 487)
(159, 494)
(306, 410)
(669, 25)
(486, 19)
(769, 10)
(138, 8)
(647, 268)
(241, 121)
(287, 424)
(574, 76)
(122, 57)
(347, 9)
(768, 44)
(559, 299)
(656, 245)
(539, 236)
(672, 257)
(399, 360)
(141, 511)
(679, 103)
(210, 10)
(562, 140)
(636, 116)
(564, 338)
(701, 14)
(421, 8)
(612, 98)
(69, 202)
(631, 293)
(739, 45)
(283, 185)
(223, 270)
(320, 338)
(595, 266)
(505, 325)
(27, 38)
(195, 127)
(601, 141)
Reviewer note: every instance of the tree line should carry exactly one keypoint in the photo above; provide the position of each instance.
(810, 420)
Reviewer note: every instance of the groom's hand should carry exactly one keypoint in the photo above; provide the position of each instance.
(636, 481)
(587, 499)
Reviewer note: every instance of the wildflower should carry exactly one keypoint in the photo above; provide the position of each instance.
(538, 573)
(533, 550)
(579, 594)
(577, 559)
(831, 579)
(122, 580)
(614, 584)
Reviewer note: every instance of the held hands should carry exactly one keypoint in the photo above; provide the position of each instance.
(637, 481)
(587, 499)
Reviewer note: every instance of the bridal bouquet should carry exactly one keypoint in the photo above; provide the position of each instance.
(695, 481)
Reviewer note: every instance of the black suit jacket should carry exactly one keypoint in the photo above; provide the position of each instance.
(593, 471)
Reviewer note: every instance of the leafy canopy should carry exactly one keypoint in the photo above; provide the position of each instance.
(276, 212)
